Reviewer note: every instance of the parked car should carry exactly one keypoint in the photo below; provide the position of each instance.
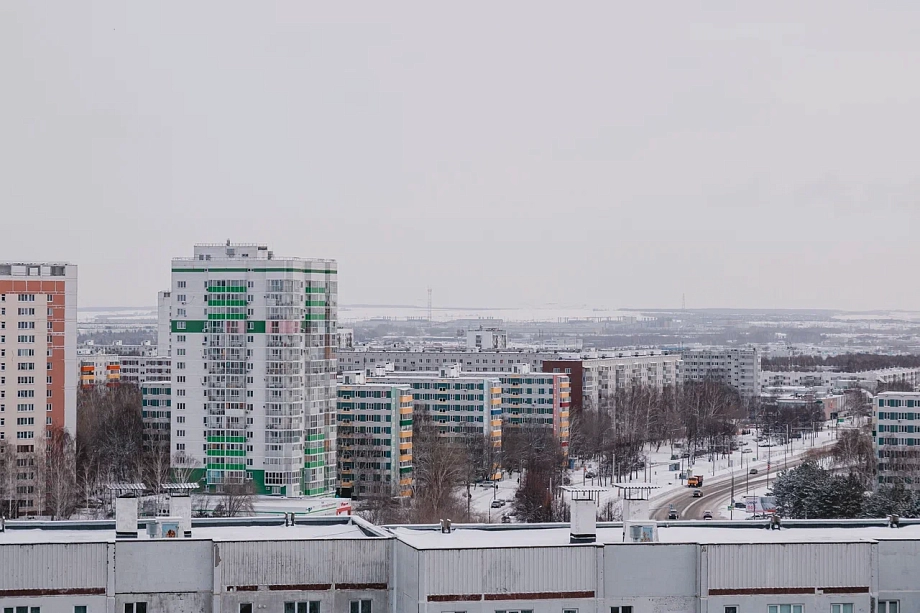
(753, 471)
(506, 519)
(496, 504)
(590, 474)
(747, 450)
(740, 505)
(697, 493)
(707, 514)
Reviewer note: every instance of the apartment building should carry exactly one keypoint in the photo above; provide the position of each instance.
(100, 369)
(253, 343)
(156, 412)
(738, 367)
(595, 378)
(592, 375)
(374, 438)
(536, 399)
(164, 317)
(38, 363)
(896, 432)
(137, 369)
(461, 404)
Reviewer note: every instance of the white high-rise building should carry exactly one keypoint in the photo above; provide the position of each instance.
(164, 316)
(738, 367)
(253, 343)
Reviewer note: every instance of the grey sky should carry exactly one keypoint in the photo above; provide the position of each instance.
(506, 154)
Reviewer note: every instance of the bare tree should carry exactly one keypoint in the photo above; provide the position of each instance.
(439, 470)
(110, 433)
(9, 501)
(60, 461)
(235, 500)
(184, 467)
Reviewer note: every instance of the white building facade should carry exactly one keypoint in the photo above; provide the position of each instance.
(738, 367)
(253, 343)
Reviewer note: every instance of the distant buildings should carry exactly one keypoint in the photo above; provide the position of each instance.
(869, 379)
(100, 369)
(345, 338)
(592, 375)
(38, 361)
(374, 438)
(596, 378)
(253, 347)
(488, 339)
(460, 404)
(738, 367)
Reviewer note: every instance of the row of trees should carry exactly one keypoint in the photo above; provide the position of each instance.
(59, 475)
(849, 362)
(617, 432)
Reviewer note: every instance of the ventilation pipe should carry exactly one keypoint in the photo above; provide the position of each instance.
(584, 518)
(126, 517)
(180, 507)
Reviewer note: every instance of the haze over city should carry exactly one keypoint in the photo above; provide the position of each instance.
(617, 155)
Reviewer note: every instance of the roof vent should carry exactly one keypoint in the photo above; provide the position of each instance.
(774, 522)
(894, 521)
(445, 526)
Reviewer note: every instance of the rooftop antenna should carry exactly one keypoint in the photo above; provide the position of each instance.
(429, 306)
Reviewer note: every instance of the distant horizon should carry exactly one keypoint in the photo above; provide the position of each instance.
(556, 307)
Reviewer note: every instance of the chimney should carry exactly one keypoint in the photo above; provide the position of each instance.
(126, 517)
(584, 518)
(180, 507)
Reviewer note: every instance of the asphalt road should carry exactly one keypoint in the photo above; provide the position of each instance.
(716, 491)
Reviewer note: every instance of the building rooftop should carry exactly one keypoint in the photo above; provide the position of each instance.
(548, 535)
(233, 530)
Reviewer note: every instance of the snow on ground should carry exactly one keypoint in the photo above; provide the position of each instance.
(658, 473)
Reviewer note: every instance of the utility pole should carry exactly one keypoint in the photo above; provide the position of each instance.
(731, 513)
(429, 306)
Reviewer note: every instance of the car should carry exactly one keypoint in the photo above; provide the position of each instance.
(506, 519)
(697, 493)
(747, 450)
(496, 504)
(707, 514)
(740, 505)
(673, 514)
(590, 474)
(753, 471)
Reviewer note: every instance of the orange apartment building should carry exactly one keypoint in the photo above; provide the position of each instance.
(38, 356)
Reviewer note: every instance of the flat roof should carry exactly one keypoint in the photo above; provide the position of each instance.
(299, 532)
(525, 536)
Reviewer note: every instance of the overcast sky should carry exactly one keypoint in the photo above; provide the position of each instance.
(505, 154)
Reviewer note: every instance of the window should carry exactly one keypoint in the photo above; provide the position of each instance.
(245, 607)
(360, 606)
(304, 607)
(525, 610)
(628, 609)
(181, 285)
(732, 608)
(846, 607)
(569, 610)
(888, 606)
(80, 608)
(135, 607)
(785, 608)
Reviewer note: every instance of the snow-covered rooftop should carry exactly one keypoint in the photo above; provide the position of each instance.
(519, 536)
(219, 533)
